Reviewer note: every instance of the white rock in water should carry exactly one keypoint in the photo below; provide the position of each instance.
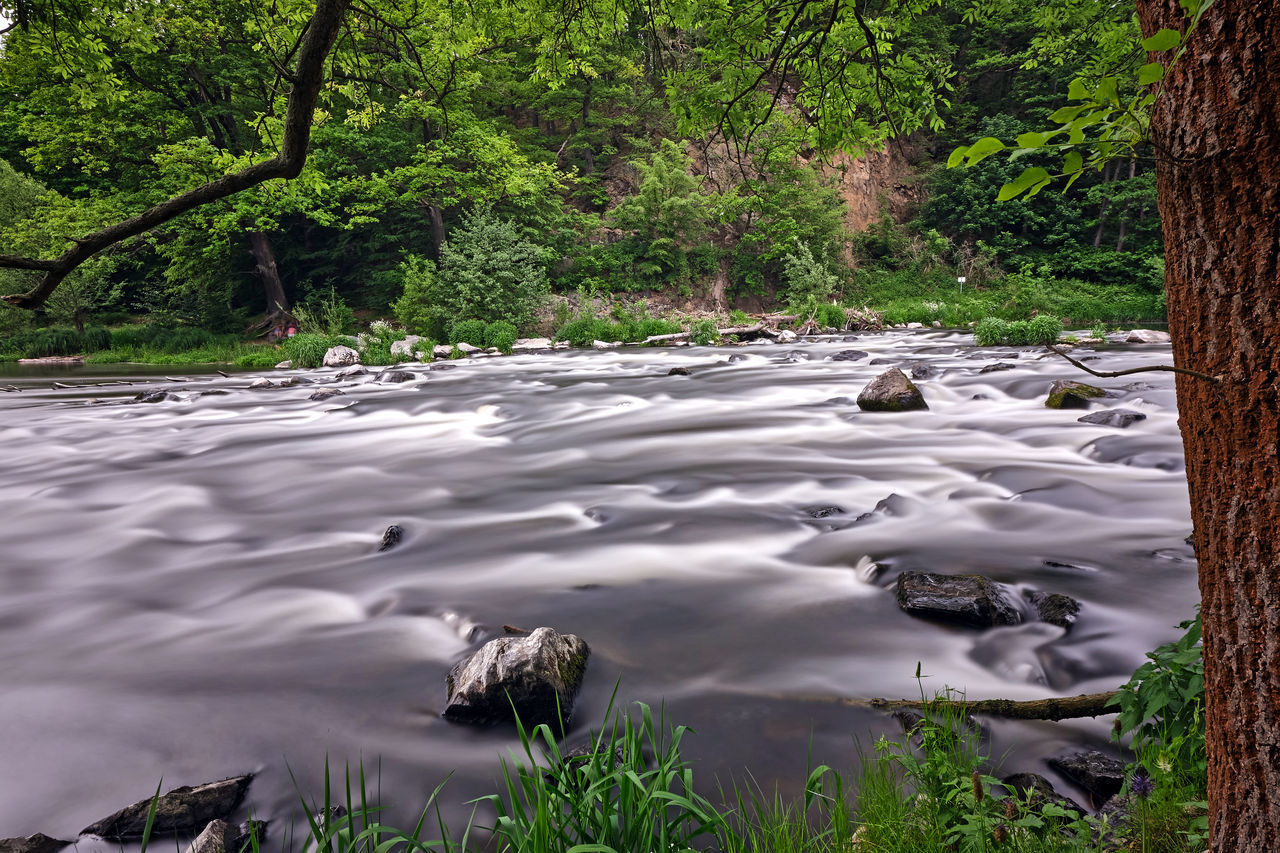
(341, 357)
(605, 344)
(261, 382)
(786, 336)
(285, 365)
(407, 347)
(532, 344)
(536, 677)
(937, 324)
(915, 325)
(1147, 336)
(469, 348)
(442, 351)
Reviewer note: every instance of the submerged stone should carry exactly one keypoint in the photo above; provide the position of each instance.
(536, 677)
(679, 371)
(326, 393)
(891, 391)
(849, 355)
(998, 366)
(182, 810)
(971, 600)
(1066, 394)
(1055, 608)
(1119, 418)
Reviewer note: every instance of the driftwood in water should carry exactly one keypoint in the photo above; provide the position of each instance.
(740, 331)
(1055, 708)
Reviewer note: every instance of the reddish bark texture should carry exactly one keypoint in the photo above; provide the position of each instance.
(1217, 132)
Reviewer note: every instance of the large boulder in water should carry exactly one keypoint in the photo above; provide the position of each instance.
(341, 357)
(408, 347)
(891, 391)
(1147, 336)
(182, 810)
(535, 676)
(1066, 394)
(971, 600)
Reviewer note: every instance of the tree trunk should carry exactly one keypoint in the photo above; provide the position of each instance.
(265, 261)
(437, 229)
(1216, 129)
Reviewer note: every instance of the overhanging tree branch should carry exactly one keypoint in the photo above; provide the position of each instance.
(1111, 374)
(308, 78)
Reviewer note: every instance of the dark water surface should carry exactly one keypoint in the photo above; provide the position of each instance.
(192, 589)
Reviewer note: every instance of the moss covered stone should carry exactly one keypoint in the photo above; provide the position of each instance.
(1065, 394)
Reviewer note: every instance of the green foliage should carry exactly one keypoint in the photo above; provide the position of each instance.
(467, 332)
(633, 324)
(830, 316)
(1162, 705)
(500, 334)
(490, 271)
(259, 357)
(307, 350)
(415, 308)
(1038, 331)
(325, 314)
(703, 332)
(808, 279)
(632, 791)
(374, 345)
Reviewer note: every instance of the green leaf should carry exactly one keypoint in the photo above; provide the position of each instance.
(1029, 178)
(1032, 140)
(1163, 40)
(957, 156)
(983, 149)
(1078, 90)
(1107, 91)
(1066, 114)
(1072, 163)
(1152, 72)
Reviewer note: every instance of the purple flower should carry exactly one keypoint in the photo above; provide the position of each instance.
(1141, 784)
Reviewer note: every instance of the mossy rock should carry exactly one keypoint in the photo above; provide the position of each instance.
(1066, 394)
(536, 677)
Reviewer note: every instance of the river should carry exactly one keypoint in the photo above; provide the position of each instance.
(192, 589)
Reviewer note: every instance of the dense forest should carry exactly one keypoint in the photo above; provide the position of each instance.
(526, 167)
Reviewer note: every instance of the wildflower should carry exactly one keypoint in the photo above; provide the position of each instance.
(1010, 809)
(976, 779)
(1000, 835)
(1141, 785)
(1164, 764)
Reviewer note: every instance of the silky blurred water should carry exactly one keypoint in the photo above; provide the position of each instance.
(192, 589)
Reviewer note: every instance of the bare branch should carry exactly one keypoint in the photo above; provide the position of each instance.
(1111, 374)
(321, 33)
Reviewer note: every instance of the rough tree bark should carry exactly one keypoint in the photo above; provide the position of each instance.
(1216, 129)
(264, 260)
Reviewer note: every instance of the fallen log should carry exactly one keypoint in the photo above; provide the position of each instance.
(1052, 709)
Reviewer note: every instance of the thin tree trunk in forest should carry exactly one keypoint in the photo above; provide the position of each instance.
(265, 262)
(436, 215)
(1102, 209)
(1124, 211)
(1216, 129)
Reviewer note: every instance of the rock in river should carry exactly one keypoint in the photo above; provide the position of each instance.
(341, 357)
(396, 376)
(1100, 775)
(539, 675)
(221, 837)
(848, 355)
(181, 810)
(1119, 418)
(1055, 608)
(38, 843)
(1066, 394)
(971, 600)
(891, 391)
(326, 393)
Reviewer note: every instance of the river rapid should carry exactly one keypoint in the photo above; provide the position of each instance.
(192, 589)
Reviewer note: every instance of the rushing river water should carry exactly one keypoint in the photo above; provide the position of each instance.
(192, 589)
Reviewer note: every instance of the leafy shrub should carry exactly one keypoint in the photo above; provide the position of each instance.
(992, 331)
(96, 338)
(467, 331)
(415, 309)
(500, 334)
(488, 271)
(738, 317)
(830, 316)
(807, 277)
(703, 331)
(325, 314)
(43, 343)
(307, 350)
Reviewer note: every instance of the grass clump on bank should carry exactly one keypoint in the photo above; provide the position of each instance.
(1038, 331)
